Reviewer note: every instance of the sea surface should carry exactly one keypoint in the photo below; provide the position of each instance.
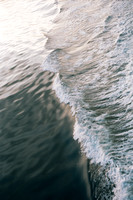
(66, 99)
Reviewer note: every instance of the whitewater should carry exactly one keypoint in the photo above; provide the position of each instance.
(90, 51)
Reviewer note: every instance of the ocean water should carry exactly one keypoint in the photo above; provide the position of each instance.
(66, 111)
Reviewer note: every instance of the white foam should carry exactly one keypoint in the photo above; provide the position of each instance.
(62, 92)
(83, 132)
(50, 64)
(90, 131)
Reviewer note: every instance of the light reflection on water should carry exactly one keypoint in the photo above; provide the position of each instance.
(22, 27)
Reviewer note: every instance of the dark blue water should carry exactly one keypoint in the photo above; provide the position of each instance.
(65, 74)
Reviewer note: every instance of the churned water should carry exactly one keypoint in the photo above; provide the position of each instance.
(92, 54)
(56, 56)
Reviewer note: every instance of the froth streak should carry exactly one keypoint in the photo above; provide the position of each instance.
(89, 143)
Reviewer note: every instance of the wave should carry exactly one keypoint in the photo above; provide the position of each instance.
(91, 54)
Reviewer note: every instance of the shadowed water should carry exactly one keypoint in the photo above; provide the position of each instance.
(39, 159)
